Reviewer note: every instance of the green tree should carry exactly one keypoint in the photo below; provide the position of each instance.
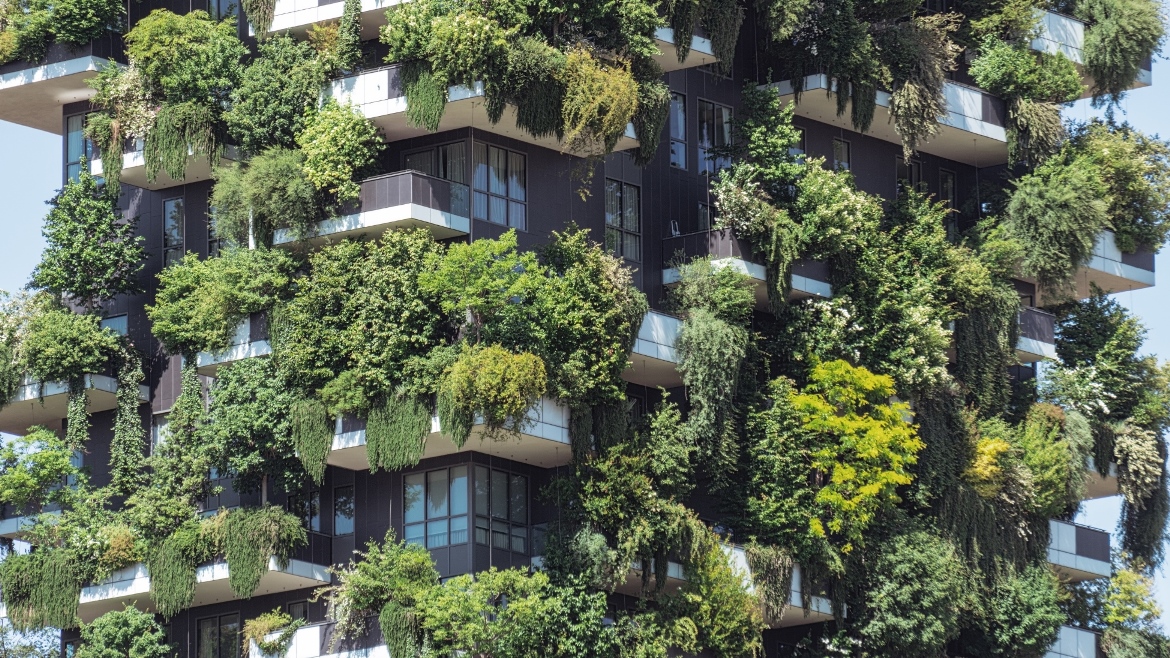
(188, 57)
(127, 633)
(33, 468)
(91, 253)
(276, 97)
(340, 147)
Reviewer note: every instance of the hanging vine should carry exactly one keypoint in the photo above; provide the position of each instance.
(396, 432)
(312, 435)
(182, 131)
(251, 537)
(129, 441)
(77, 418)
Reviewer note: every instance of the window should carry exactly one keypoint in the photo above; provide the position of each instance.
(623, 220)
(172, 231)
(306, 505)
(798, 149)
(678, 131)
(435, 507)
(946, 194)
(343, 510)
(501, 509)
(221, 9)
(158, 432)
(70, 648)
(299, 610)
(118, 323)
(501, 186)
(841, 154)
(214, 241)
(219, 637)
(908, 174)
(704, 216)
(714, 132)
(76, 146)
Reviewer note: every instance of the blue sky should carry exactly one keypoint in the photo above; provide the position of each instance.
(30, 173)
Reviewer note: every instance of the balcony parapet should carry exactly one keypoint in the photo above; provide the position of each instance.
(37, 403)
(1037, 338)
(250, 340)
(1077, 552)
(32, 93)
(134, 168)
(1073, 642)
(653, 361)
(379, 94)
(1061, 33)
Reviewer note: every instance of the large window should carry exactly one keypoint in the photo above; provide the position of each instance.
(908, 173)
(448, 161)
(623, 220)
(501, 509)
(678, 131)
(343, 510)
(841, 154)
(172, 231)
(306, 505)
(299, 610)
(76, 146)
(501, 186)
(714, 133)
(219, 637)
(435, 507)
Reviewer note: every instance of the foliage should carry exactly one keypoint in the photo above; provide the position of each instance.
(126, 633)
(1129, 597)
(173, 563)
(41, 588)
(29, 644)
(91, 253)
(1024, 615)
(248, 429)
(915, 600)
(339, 145)
(187, 57)
(259, 14)
(1130, 643)
(772, 570)
(1122, 34)
(715, 597)
(253, 536)
(181, 131)
(80, 21)
(1140, 466)
(32, 468)
(600, 99)
(269, 192)
(200, 303)
(129, 442)
(276, 96)
(1056, 464)
(62, 346)
(358, 318)
(348, 51)
(396, 432)
(493, 386)
(259, 628)
(312, 435)
(128, 111)
(924, 56)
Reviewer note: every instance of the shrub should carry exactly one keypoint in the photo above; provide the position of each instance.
(1122, 33)
(64, 346)
(127, 633)
(276, 97)
(269, 192)
(340, 147)
(493, 385)
(189, 57)
(32, 468)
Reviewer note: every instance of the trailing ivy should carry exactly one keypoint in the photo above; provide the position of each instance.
(251, 537)
(312, 435)
(173, 564)
(259, 14)
(42, 588)
(396, 432)
(772, 569)
(129, 441)
(181, 132)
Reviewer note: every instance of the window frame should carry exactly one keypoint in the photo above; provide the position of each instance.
(219, 643)
(709, 165)
(288, 608)
(352, 510)
(448, 518)
(680, 141)
(488, 524)
(169, 249)
(848, 147)
(914, 169)
(87, 147)
(618, 230)
(800, 150)
(511, 200)
(298, 498)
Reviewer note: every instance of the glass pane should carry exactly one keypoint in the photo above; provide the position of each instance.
(705, 164)
(723, 125)
(632, 247)
(841, 153)
(706, 124)
(208, 637)
(678, 155)
(459, 490)
(480, 175)
(498, 214)
(453, 162)
(613, 241)
(517, 216)
(518, 500)
(704, 217)
(73, 171)
(517, 176)
(299, 610)
(500, 534)
(458, 529)
(437, 533)
(497, 171)
(499, 494)
(632, 207)
(437, 494)
(480, 206)
(173, 223)
(422, 161)
(519, 539)
(75, 138)
(118, 323)
(798, 148)
(481, 530)
(229, 636)
(314, 511)
(343, 510)
(481, 490)
(412, 498)
(415, 534)
(613, 203)
(678, 118)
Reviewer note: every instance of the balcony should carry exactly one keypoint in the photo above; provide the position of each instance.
(1077, 552)
(1064, 34)
(809, 278)
(134, 168)
(653, 361)
(46, 404)
(1098, 485)
(700, 54)
(795, 614)
(250, 339)
(972, 132)
(1114, 271)
(296, 16)
(1074, 642)
(1037, 339)
(316, 640)
(131, 585)
(32, 93)
(379, 95)
(404, 199)
(543, 442)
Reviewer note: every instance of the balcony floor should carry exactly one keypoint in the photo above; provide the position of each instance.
(47, 405)
(27, 94)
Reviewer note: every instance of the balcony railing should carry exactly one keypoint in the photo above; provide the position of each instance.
(403, 199)
(37, 403)
(972, 132)
(543, 440)
(653, 361)
(32, 93)
(379, 94)
(809, 278)
(1037, 339)
(1078, 552)
(1072, 642)
(1114, 271)
(317, 641)
(1060, 33)
(250, 340)
(134, 167)
(701, 52)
